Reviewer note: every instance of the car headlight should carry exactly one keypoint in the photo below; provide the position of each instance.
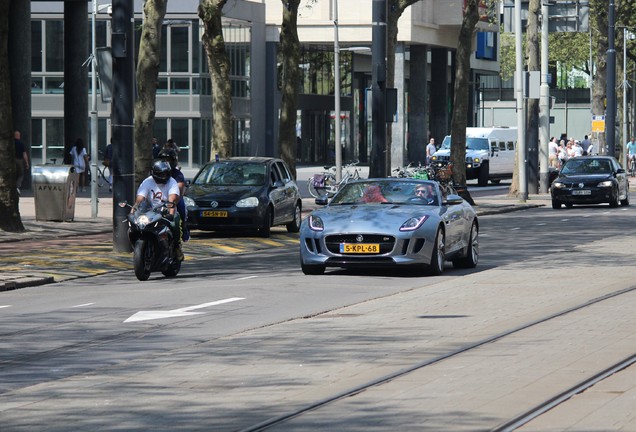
(413, 223)
(315, 223)
(434, 158)
(476, 160)
(248, 202)
(558, 185)
(606, 183)
(189, 202)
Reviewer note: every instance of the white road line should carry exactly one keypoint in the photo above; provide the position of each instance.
(185, 311)
(4, 306)
(247, 277)
(514, 229)
(82, 305)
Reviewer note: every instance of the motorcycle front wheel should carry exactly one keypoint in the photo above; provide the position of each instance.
(142, 259)
(173, 269)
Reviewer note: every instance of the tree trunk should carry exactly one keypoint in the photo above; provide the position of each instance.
(459, 120)
(10, 220)
(289, 58)
(147, 80)
(598, 10)
(211, 12)
(532, 113)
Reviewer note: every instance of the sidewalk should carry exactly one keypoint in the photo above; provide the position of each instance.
(84, 224)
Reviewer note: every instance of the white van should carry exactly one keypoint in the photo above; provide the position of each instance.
(490, 153)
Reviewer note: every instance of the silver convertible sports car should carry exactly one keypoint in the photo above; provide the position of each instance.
(390, 222)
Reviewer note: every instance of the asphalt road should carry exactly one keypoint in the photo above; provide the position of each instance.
(112, 353)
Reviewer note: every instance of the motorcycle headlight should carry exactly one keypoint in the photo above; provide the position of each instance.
(189, 202)
(316, 224)
(558, 185)
(413, 223)
(606, 183)
(142, 221)
(248, 202)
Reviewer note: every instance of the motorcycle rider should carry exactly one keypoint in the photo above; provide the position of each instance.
(170, 156)
(161, 187)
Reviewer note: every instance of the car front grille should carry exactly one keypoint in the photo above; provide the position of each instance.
(443, 158)
(221, 204)
(386, 242)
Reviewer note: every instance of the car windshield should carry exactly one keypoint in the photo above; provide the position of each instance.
(587, 166)
(232, 173)
(471, 143)
(374, 192)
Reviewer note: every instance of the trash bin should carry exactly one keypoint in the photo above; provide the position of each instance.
(54, 190)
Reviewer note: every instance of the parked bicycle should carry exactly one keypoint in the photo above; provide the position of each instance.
(104, 175)
(325, 183)
(441, 172)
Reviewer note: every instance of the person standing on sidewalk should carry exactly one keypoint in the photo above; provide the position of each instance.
(430, 150)
(21, 159)
(80, 160)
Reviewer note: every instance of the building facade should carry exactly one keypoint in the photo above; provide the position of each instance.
(424, 77)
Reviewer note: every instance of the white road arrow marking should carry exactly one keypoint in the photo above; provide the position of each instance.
(151, 315)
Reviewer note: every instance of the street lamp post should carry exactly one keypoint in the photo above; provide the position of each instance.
(94, 156)
(627, 35)
(336, 77)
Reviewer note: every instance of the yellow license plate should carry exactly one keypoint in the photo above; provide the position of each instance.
(214, 213)
(362, 248)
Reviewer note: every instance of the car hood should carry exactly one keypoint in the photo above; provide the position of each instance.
(370, 218)
(579, 178)
(207, 192)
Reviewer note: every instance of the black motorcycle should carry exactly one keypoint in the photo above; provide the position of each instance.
(151, 234)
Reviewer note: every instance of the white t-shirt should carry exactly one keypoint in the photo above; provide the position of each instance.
(78, 159)
(156, 193)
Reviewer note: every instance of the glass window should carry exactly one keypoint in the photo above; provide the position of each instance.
(502, 145)
(163, 62)
(54, 85)
(179, 49)
(510, 145)
(36, 46)
(36, 142)
(160, 130)
(162, 86)
(54, 46)
(179, 133)
(196, 47)
(37, 85)
(55, 139)
(180, 86)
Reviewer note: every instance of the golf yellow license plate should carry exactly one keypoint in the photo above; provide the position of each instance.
(214, 213)
(361, 248)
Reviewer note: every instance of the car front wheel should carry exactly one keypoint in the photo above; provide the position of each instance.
(614, 202)
(294, 225)
(437, 257)
(472, 250)
(556, 204)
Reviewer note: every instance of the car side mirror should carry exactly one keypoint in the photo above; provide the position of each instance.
(453, 199)
(620, 171)
(322, 200)
(279, 184)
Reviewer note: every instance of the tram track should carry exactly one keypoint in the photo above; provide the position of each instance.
(507, 426)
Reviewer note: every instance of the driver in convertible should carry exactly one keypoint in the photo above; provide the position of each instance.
(426, 193)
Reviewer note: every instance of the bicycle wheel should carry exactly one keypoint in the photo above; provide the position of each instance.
(326, 187)
(103, 176)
